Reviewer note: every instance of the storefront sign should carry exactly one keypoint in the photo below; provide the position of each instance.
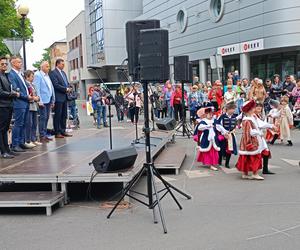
(252, 46)
(244, 47)
(229, 50)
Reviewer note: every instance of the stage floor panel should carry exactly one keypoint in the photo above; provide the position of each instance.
(67, 160)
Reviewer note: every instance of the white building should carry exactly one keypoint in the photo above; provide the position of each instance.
(78, 49)
(106, 33)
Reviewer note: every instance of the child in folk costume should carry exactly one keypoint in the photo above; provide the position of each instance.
(286, 120)
(266, 154)
(296, 111)
(228, 144)
(273, 118)
(209, 144)
(252, 144)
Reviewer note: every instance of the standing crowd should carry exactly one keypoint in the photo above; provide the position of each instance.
(26, 101)
(266, 112)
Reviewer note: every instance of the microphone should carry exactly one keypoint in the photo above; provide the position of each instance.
(18, 90)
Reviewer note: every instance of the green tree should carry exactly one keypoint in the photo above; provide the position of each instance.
(10, 24)
(45, 57)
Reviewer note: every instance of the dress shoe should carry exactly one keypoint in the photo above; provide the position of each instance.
(44, 140)
(59, 136)
(268, 172)
(247, 177)
(257, 177)
(18, 149)
(25, 146)
(12, 153)
(67, 135)
(7, 156)
(37, 143)
(30, 145)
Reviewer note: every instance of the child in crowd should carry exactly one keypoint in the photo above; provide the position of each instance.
(209, 144)
(228, 144)
(240, 102)
(251, 145)
(286, 120)
(273, 118)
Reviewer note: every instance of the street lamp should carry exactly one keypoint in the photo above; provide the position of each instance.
(23, 12)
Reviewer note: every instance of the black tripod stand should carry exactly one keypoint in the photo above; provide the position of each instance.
(186, 127)
(152, 172)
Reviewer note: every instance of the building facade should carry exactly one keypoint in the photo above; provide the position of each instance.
(78, 49)
(256, 37)
(105, 30)
(58, 50)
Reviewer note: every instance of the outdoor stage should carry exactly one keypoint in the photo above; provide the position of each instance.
(66, 161)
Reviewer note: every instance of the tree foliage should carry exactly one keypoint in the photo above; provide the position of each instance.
(10, 24)
(45, 57)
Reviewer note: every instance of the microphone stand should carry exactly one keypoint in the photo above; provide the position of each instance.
(110, 99)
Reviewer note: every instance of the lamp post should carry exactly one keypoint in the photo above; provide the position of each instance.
(23, 12)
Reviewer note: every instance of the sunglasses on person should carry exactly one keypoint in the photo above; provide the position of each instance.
(2, 64)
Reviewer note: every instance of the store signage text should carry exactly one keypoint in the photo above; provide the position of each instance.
(243, 47)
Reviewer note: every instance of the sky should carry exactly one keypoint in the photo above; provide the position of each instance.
(49, 19)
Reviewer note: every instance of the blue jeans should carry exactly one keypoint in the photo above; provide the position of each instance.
(18, 132)
(73, 112)
(43, 121)
(31, 126)
(120, 114)
(170, 112)
(101, 114)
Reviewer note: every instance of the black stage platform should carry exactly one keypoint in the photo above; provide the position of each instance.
(66, 161)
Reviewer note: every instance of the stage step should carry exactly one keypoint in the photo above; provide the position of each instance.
(32, 199)
(171, 157)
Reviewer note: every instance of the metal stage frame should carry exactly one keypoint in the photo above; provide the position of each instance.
(50, 166)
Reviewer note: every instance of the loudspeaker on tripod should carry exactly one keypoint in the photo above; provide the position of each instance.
(183, 70)
(115, 160)
(154, 55)
(166, 124)
(133, 29)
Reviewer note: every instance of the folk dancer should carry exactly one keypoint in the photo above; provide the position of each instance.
(266, 154)
(209, 142)
(251, 145)
(273, 118)
(228, 144)
(286, 121)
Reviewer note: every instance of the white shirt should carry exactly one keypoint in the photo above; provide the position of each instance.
(22, 79)
(47, 79)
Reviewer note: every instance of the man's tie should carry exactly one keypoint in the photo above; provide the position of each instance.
(65, 78)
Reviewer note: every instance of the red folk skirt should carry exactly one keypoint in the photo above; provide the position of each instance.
(209, 158)
(249, 163)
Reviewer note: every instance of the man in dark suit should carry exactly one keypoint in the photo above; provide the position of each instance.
(7, 96)
(61, 88)
(21, 104)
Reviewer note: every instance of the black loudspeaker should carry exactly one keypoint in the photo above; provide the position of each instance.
(154, 55)
(133, 29)
(183, 70)
(115, 160)
(166, 124)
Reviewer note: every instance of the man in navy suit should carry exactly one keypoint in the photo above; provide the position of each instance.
(21, 104)
(61, 88)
